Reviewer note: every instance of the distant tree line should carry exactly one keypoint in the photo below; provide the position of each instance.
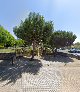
(76, 45)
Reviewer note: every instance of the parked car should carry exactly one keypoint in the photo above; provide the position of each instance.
(78, 51)
(73, 50)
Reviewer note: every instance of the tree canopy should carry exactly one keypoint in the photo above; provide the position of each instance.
(31, 29)
(19, 42)
(76, 45)
(62, 39)
(6, 38)
(47, 32)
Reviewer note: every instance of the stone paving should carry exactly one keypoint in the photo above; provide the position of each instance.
(49, 77)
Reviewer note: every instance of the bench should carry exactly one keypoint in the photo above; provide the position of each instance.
(8, 56)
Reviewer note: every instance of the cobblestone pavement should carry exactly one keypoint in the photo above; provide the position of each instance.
(50, 77)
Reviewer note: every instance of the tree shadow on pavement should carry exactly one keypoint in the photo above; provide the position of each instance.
(22, 65)
(58, 58)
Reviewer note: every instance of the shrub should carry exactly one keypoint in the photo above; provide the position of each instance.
(1, 47)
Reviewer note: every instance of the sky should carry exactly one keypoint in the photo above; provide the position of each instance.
(65, 14)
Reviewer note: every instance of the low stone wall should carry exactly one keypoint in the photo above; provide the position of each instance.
(7, 56)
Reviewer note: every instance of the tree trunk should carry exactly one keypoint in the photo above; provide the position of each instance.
(33, 49)
(55, 52)
(38, 52)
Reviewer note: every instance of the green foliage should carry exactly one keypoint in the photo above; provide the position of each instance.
(27, 52)
(47, 32)
(2, 35)
(24, 51)
(1, 47)
(62, 39)
(2, 50)
(19, 51)
(48, 50)
(10, 40)
(34, 30)
(6, 38)
(19, 42)
(77, 45)
(31, 28)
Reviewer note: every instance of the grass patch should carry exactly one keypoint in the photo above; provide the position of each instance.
(7, 50)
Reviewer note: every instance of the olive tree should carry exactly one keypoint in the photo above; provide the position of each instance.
(31, 30)
(34, 30)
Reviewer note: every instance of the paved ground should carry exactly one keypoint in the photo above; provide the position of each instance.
(59, 74)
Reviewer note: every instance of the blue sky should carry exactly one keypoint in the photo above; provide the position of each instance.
(64, 13)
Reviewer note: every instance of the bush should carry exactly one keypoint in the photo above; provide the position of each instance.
(1, 47)
(48, 51)
(25, 51)
(19, 52)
